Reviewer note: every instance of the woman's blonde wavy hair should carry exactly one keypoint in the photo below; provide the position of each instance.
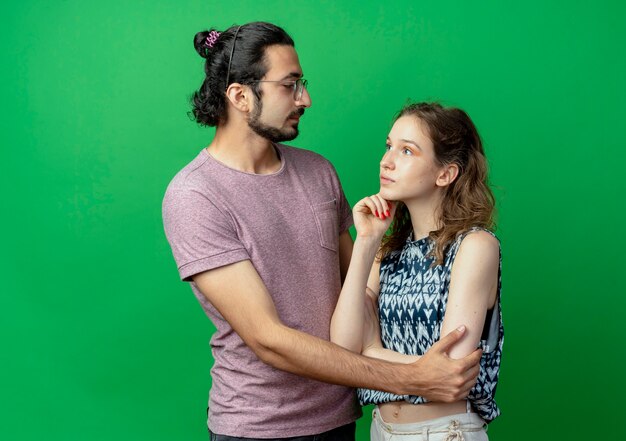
(468, 201)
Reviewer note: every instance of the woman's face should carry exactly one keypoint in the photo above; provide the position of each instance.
(408, 170)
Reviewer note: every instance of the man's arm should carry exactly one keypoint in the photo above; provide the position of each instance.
(249, 309)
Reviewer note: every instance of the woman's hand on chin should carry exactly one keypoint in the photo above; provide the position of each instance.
(372, 216)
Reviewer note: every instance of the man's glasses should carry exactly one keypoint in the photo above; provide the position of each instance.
(297, 86)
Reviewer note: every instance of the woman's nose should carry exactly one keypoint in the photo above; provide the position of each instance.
(386, 162)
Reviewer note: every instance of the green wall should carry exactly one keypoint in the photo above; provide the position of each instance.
(101, 341)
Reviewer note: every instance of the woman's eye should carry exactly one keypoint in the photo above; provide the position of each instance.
(387, 147)
(407, 151)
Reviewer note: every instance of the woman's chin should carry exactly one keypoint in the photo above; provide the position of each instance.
(386, 194)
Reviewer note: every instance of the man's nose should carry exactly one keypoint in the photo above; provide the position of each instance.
(305, 99)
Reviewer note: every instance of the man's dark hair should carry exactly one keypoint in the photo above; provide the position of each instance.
(248, 64)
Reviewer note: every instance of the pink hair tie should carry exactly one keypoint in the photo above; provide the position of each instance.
(212, 38)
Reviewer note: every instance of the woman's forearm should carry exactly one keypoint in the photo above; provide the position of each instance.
(389, 355)
(346, 327)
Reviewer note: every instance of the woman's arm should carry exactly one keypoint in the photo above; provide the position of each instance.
(473, 288)
(372, 345)
(346, 326)
(389, 355)
(372, 217)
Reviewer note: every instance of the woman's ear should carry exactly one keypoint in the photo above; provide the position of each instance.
(447, 175)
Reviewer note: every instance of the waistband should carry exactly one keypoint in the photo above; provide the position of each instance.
(461, 422)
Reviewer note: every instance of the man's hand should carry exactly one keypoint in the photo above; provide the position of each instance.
(438, 377)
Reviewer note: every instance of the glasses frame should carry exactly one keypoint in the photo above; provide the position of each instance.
(298, 85)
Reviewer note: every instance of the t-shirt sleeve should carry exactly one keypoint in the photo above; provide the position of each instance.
(202, 236)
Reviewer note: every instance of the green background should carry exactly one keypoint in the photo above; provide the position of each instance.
(100, 339)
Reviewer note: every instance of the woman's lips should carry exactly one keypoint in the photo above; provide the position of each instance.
(385, 180)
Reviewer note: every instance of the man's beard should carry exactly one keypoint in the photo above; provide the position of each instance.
(271, 133)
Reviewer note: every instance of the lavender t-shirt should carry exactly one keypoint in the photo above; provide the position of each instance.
(287, 224)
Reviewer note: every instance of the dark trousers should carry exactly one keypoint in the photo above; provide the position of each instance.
(343, 433)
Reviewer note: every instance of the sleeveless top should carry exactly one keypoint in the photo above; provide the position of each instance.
(412, 304)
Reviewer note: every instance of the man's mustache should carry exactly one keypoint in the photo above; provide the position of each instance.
(298, 112)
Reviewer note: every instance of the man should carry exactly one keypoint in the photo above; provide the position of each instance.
(260, 230)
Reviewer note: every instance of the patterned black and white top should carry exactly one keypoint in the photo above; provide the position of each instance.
(412, 304)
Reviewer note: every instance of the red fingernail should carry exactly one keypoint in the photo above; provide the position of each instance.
(376, 213)
(387, 213)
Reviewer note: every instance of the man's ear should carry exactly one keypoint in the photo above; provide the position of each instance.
(447, 175)
(239, 97)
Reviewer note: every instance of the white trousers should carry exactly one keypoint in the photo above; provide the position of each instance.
(459, 427)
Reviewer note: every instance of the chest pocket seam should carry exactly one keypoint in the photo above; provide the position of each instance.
(326, 219)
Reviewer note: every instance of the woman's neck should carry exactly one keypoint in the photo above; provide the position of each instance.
(425, 216)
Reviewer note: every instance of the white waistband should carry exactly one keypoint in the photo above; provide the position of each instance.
(467, 422)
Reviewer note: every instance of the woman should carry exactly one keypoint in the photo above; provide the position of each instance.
(438, 269)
